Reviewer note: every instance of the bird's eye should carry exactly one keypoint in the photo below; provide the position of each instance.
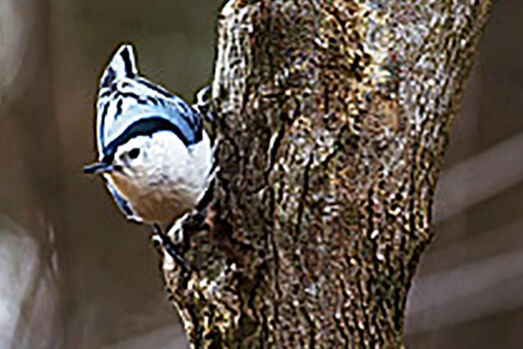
(133, 153)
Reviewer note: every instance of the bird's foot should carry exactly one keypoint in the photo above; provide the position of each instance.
(161, 239)
(204, 104)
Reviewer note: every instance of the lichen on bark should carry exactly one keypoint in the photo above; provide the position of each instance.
(333, 118)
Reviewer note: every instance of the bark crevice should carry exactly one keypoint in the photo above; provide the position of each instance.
(333, 118)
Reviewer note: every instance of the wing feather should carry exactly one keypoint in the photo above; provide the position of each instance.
(126, 98)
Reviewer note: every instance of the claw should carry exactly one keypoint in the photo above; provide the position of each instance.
(161, 239)
(203, 103)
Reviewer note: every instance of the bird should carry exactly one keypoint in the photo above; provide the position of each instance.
(154, 154)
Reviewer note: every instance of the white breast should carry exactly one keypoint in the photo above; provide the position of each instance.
(169, 180)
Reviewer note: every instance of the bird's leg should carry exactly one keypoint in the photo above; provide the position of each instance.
(161, 239)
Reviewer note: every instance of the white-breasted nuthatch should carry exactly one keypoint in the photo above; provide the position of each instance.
(153, 151)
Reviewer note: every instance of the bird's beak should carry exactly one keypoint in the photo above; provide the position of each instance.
(98, 167)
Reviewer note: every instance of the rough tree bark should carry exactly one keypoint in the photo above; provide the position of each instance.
(334, 117)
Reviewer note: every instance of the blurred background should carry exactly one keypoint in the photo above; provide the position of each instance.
(75, 274)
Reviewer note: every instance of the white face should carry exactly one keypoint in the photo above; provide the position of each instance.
(148, 162)
(159, 176)
(133, 157)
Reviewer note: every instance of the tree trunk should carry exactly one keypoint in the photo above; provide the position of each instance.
(333, 117)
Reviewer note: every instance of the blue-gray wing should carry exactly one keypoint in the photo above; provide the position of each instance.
(156, 101)
(131, 111)
(128, 102)
(122, 65)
